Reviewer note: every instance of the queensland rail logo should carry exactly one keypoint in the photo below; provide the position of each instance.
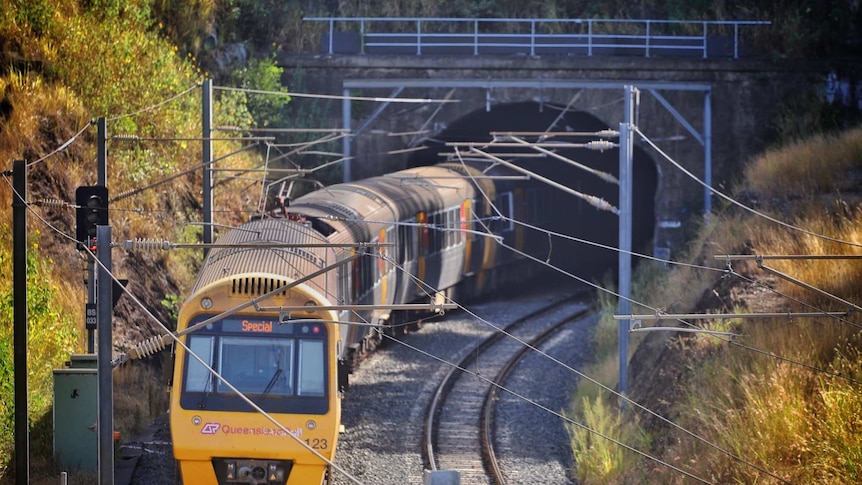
(210, 428)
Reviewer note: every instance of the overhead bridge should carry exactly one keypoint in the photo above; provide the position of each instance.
(707, 100)
(533, 37)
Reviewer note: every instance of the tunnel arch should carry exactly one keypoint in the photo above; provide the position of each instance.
(573, 216)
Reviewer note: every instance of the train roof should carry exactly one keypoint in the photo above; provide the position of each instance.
(281, 263)
(359, 209)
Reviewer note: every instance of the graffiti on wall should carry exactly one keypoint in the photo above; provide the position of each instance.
(842, 91)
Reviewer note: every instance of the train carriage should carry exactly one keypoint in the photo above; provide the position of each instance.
(285, 363)
(290, 357)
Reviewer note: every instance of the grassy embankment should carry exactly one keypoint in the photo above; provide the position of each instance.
(64, 64)
(784, 415)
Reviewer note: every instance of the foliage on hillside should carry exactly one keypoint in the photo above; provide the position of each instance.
(783, 395)
(801, 28)
(63, 64)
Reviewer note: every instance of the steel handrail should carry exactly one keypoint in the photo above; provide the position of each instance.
(649, 42)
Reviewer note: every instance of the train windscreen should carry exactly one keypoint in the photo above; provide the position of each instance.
(281, 367)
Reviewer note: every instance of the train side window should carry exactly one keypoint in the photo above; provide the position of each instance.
(455, 225)
(430, 235)
(356, 280)
(452, 227)
(369, 266)
(312, 362)
(414, 239)
(403, 249)
(505, 204)
(199, 378)
(346, 272)
(360, 277)
(444, 229)
(391, 252)
(439, 231)
(343, 273)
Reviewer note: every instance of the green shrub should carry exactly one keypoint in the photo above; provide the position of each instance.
(52, 335)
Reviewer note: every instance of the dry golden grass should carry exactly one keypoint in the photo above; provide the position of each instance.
(806, 167)
(785, 416)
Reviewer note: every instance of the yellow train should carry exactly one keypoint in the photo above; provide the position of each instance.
(274, 316)
(286, 306)
(285, 362)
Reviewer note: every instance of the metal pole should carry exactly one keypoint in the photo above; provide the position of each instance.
(106, 384)
(345, 142)
(102, 151)
(19, 269)
(207, 152)
(707, 153)
(625, 242)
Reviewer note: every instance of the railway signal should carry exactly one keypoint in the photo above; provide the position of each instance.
(91, 211)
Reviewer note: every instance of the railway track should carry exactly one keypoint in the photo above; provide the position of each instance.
(459, 426)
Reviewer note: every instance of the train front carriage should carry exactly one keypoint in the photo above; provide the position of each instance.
(269, 343)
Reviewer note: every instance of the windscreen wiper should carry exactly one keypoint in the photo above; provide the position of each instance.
(271, 384)
(208, 389)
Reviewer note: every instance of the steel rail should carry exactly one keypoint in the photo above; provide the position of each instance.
(486, 421)
(430, 427)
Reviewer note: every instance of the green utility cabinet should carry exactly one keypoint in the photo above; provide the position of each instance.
(76, 441)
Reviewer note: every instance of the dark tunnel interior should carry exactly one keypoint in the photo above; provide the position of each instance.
(570, 215)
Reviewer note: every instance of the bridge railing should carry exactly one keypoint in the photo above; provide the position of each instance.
(533, 37)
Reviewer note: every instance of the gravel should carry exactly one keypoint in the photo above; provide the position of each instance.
(532, 443)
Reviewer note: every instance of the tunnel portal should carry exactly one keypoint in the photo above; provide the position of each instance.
(569, 214)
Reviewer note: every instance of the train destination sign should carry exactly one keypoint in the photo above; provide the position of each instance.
(250, 326)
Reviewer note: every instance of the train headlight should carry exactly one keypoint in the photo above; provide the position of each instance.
(206, 303)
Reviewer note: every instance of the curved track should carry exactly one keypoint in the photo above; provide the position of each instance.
(458, 432)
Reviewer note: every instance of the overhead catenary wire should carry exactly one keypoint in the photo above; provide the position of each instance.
(604, 387)
(555, 413)
(431, 290)
(736, 202)
(594, 201)
(138, 139)
(335, 96)
(155, 106)
(598, 173)
(203, 362)
(728, 258)
(194, 169)
(574, 99)
(281, 130)
(416, 135)
(731, 271)
(733, 342)
(62, 147)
